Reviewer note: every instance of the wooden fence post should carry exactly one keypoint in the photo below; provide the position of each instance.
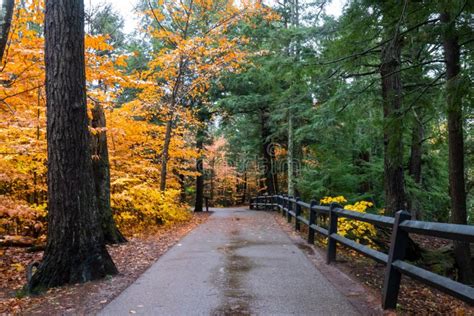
(331, 251)
(398, 244)
(297, 213)
(290, 208)
(312, 220)
(251, 205)
(284, 205)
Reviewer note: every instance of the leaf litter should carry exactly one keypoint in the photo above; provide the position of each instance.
(131, 259)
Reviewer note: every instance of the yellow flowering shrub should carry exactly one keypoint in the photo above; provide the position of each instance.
(141, 207)
(359, 231)
(333, 199)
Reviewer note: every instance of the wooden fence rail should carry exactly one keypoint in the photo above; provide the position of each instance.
(401, 225)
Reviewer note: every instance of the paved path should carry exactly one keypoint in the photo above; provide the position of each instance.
(239, 262)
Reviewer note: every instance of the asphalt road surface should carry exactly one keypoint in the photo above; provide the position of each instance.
(239, 262)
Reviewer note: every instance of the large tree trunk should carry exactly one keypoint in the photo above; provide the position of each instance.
(393, 127)
(75, 250)
(165, 154)
(457, 188)
(6, 16)
(101, 169)
(390, 73)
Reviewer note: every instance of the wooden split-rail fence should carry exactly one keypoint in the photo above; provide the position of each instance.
(401, 225)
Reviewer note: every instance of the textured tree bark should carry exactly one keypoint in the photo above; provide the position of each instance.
(101, 169)
(165, 154)
(75, 250)
(457, 189)
(393, 127)
(394, 186)
(5, 23)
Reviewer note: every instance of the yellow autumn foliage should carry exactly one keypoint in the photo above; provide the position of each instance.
(141, 206)
(134, 142)
(359, 231)
(333, 199)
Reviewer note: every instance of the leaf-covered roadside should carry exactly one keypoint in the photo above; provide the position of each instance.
(131, 258)
(414, 298)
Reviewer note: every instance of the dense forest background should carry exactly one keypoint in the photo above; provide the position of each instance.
(211, 99)
(329, 93)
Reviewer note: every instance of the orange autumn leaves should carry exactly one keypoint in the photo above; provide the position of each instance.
(229, 181)
(133, 141)
(22, 125)
(193, 48)
(197, 45)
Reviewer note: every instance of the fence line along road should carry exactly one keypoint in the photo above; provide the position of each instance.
(401, 225)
